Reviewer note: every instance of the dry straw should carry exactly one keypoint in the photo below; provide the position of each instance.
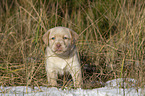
(111, 41)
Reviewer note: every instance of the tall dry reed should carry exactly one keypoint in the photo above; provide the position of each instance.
(111, 43)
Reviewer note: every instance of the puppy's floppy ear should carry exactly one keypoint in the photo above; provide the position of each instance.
(45, 37)
(74, 36)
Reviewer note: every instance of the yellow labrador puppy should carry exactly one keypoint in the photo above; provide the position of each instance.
(61, 55)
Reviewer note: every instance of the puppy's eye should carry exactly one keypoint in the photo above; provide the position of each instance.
(65, 38)
(53, 38)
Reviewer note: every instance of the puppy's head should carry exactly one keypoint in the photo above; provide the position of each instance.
(60, 39)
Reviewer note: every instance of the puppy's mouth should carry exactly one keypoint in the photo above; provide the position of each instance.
(59, 50)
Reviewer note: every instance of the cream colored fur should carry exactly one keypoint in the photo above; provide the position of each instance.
(61, 55)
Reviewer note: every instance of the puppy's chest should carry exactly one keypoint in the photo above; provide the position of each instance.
(60, 63)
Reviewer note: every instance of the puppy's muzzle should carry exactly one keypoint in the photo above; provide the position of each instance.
(58, 47)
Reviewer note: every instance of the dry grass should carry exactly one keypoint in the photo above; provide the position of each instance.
(111, 42)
